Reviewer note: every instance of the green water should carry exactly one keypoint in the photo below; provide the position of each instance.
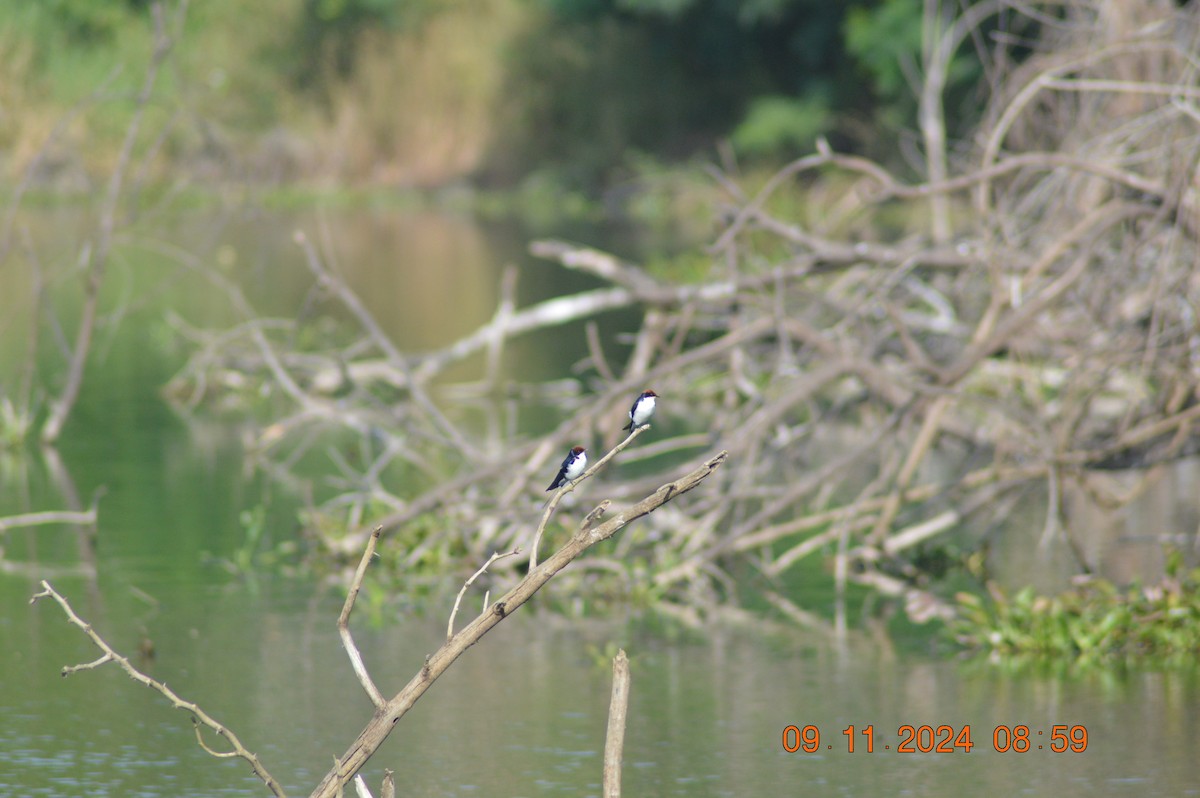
(522, 713)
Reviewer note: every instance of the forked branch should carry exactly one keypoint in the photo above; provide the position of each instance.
(199, 716)
(384, 719)
(552, 505)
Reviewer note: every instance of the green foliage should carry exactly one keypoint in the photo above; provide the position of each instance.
(585, 83)
(253, 523)
(885, 38)
(1096, 622)
(256, 553)
(602, 657)
(776, 126)
(597, 80)
(690, 267)
(88, 22)
(15, 423)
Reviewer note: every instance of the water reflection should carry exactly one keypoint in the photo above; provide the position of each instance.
(524, 712)
(1125, 543)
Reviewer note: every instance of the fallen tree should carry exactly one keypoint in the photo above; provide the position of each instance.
(909, 357)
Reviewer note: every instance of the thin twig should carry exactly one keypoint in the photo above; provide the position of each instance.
(343, 622)
(570, 486)
(87, 518)
(198, 714)
(458, 599)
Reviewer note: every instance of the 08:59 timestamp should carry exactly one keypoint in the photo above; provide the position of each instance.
(942, 739)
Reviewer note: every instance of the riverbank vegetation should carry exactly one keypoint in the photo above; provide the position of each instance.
(1093, 623)
(491, 93)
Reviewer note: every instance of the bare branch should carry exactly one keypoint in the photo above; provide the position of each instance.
(348, 298)
(87, 518)
(458, 599)
(199, 716)
(614, 741)
(343, 622)
(385, 719)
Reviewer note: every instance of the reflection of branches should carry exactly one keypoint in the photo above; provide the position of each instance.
(97, 260)
(199, 716)
(48, 517)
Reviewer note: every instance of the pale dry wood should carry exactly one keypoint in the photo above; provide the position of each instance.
(864, 511)
(86, 518)
(595, 262)
(1039, 83)
(614, 740)
(385, 719)
(343, 622)
(470, 581)
(552, 504)
(199, 716)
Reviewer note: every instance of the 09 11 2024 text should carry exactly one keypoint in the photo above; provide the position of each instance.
(941, 739)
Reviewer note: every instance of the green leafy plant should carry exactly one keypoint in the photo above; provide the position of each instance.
(1094, 622)
(777, 125)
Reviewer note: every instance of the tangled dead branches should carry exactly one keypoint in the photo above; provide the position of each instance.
(1029, 320)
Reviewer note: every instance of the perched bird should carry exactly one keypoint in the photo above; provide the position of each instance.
(572, 467)
(642, 410)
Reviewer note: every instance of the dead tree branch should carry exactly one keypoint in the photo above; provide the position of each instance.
(199, 716)
(614, 741)
(343, 623)
(483, 569)
(385, 719)
(86, 518)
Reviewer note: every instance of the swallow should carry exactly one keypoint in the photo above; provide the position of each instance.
(642, 410)
(571, 468)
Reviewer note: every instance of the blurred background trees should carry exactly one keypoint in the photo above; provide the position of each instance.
(426, 92)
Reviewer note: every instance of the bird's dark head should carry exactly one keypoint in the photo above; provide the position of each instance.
(578, 450)
(649, 393)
